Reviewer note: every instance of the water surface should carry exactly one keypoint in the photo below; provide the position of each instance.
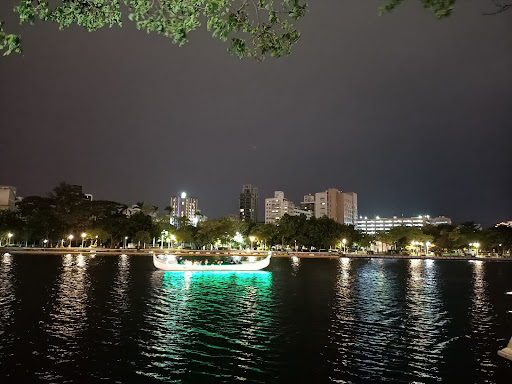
(73, 318)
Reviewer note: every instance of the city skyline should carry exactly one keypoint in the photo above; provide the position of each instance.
(296, 209)
(414, 122)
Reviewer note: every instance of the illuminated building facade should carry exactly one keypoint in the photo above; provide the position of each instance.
(184, 206)
(7, 198)
(249, 203)
(277, 206)
(337, 205)
(379, 224)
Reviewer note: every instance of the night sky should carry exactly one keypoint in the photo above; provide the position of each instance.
(410, 112)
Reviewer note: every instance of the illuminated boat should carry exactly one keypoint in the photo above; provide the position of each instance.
(169, 262)
(506, 352)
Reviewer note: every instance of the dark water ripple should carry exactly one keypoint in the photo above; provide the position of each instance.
(80, 318)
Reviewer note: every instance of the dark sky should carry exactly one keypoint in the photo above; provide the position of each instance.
(410, 112)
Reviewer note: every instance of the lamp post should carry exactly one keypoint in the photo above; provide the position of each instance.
(426, 247)
(70, 237)
(9, 235)
(476, 245)
(252, 238)
(45, 242)
(124, 242)
(173, 239)
(344, 241)
(96, 240)
(83, 239)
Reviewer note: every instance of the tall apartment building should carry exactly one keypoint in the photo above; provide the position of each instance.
(277, 206)
(337, 205)
(249, 203)
(7, 197)
(184, 206)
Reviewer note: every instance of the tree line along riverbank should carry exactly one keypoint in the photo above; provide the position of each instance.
(64, 218)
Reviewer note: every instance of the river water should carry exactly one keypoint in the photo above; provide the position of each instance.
(73, 318)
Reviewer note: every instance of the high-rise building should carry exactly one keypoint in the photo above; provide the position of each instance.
(249, 203)
(184, 206)
(7, 197)
(277, 206)
(337, 205)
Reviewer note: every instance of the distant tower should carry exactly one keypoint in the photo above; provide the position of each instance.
(249, 203)
(183, 206)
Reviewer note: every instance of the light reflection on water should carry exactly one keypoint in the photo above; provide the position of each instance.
(375, 333)
(7, 296)
(308, 320)
(483, 318)
(198, 321)
(69, 311)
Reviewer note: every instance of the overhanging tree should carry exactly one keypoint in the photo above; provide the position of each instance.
(254, 28)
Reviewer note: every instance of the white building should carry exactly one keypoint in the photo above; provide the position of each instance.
(184, 206)
(337, 205)
(277, 206)
(7, 197)
(372, 226)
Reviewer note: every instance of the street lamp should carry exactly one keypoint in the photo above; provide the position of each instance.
(252, 238)
(70, 237)
(173, 239)
(9, 235)
(45, 241)
(344, 241)
(476, 245)
(83, 238)
(124, 242)
(426, 247)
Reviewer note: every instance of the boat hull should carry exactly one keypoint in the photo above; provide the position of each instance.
(507, 351)
(248, 266)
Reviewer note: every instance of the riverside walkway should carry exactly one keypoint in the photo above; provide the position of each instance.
(188, 252)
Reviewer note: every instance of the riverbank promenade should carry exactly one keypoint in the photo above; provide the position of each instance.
(192, 252)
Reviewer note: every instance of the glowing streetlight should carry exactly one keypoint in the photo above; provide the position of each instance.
(173, 239)
(70, 237)
(124, 241)
(45, 242)
(252, 238)
(83, 238)
(426, 247)
(344, 241)
(476, 246)
(9, 235)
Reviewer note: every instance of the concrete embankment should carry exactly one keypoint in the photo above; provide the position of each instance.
(318, 255)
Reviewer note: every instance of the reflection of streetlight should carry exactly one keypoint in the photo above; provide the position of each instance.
(252, 238)
(70, 237)
(9, 235)
(83, 238)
